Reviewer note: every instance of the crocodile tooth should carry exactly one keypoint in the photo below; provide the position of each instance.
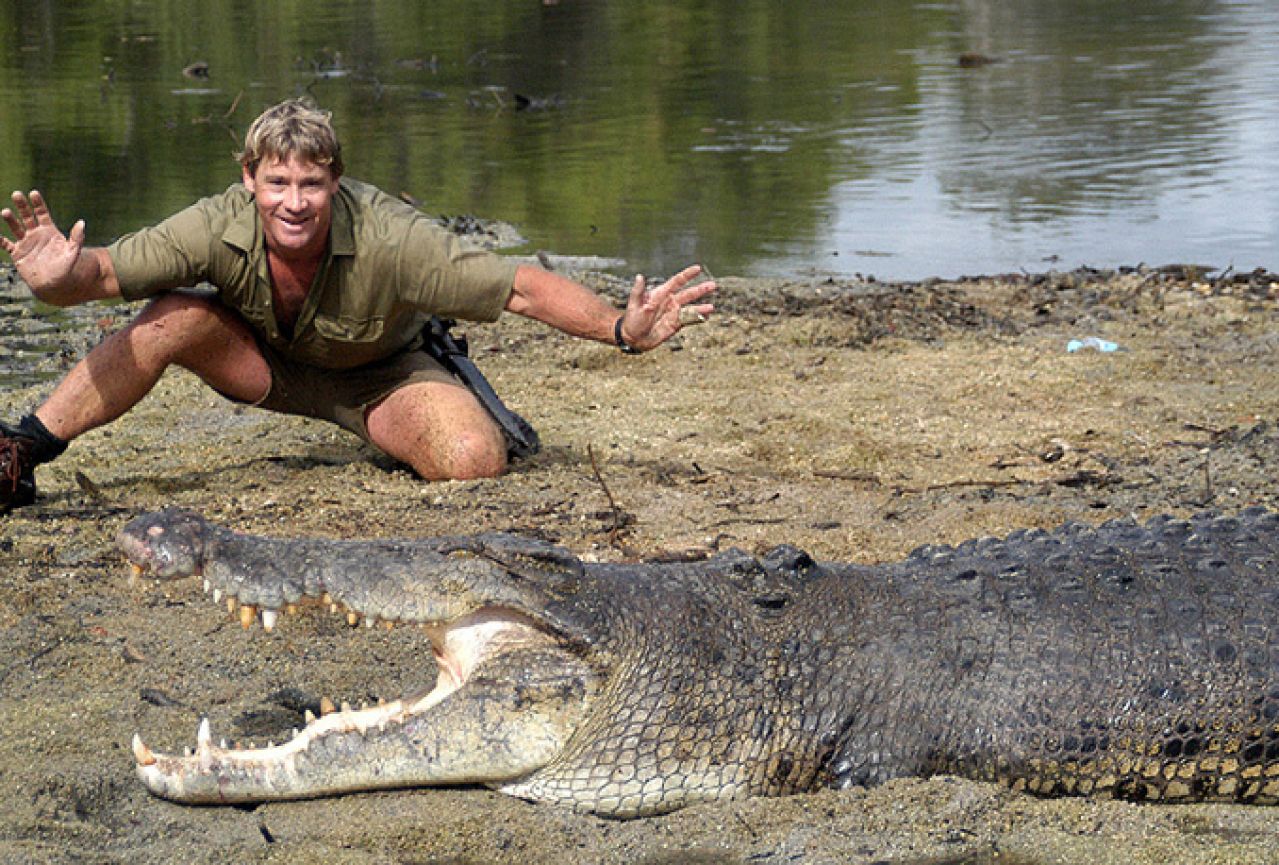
(326, 706)
(352, 618)
(222, 744)
(217, 596)
(268, 619)
(291, 609)
(326, 598)
(230, 604)
(207, 585)
(203, 735)
(141, 753)
(333, 608)
(370, 622)
(293, 734)
(186, 752)
(248, 613)
(388, 624)
(309, 716)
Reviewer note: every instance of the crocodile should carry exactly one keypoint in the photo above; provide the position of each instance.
(1126, 660)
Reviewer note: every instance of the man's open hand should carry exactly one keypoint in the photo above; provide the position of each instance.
(652, 317)
(43, 255)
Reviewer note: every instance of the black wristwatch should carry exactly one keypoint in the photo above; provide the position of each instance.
(618, 338)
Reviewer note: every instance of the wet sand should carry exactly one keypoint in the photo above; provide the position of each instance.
(855, 420)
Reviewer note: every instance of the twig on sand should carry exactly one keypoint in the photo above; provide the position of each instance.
(620, 518)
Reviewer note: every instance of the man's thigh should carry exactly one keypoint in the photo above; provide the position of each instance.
(211, 341)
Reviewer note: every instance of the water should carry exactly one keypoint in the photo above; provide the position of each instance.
(762, 137)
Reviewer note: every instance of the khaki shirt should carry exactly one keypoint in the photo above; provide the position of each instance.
(387, 269)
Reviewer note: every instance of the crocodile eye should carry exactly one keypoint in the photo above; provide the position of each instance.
(155, 531)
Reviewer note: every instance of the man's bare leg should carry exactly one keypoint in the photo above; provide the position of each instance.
(195, 333)
(439, 429)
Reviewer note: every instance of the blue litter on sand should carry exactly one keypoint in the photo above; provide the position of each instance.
(1092, 342)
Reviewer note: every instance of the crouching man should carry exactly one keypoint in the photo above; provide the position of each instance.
(323, 288)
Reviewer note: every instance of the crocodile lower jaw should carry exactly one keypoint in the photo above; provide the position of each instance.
(201, 776)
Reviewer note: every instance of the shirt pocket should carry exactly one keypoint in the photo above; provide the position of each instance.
(341, 328)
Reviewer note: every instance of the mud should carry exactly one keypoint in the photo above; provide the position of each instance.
(857, 420)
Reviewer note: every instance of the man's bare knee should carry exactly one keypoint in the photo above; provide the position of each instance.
(473, 454)
(440, 430)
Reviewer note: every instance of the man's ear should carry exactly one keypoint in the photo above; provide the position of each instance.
(247, 177)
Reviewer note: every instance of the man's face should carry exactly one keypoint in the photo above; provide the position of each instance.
(295, 201)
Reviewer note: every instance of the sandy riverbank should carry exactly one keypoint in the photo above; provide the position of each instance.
(854, 420)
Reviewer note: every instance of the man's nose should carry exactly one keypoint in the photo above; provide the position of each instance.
(293, 198)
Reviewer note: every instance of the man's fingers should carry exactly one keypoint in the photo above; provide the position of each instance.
(23, 207)
(687, 273)
(637, 290)
(39, 209)
(77, 234)
(694, 293)
(683, 278)
(14, 217)
(657, 298)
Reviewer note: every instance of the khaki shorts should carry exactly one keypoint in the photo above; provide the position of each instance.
(344, 396)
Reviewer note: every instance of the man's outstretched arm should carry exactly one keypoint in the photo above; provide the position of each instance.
(651, 316)
(57, 267)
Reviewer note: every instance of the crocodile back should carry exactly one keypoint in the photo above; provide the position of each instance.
(1139, 661)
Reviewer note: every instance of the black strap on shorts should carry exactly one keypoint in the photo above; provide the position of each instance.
(453, 354)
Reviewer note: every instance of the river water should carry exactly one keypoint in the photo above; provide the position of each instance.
(762, 137)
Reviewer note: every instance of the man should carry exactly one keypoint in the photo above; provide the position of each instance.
(323, 287)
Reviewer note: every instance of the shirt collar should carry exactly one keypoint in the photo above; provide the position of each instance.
(242, 230)
(342, 225)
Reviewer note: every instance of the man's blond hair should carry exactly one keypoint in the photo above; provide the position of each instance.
(295, 127)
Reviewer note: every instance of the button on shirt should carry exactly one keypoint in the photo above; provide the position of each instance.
(387, 269)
